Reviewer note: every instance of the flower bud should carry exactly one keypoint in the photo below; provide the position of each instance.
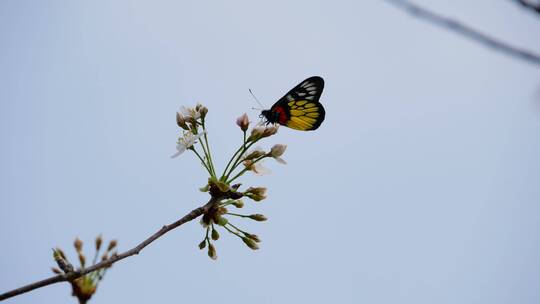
(78, 245)
(238, 203)
(222, 221)
(258, 217)
(99, 241)
(253, 237)
(270, 130)
(277, 150)
(256, 153)
(215, 235)
(205, 220)
(181, 121)
(256, 133)
(243, 122)
(212, 252)
(250, 243)
(202, 244)
(248, 164)
(82, 259)
(112, 244)
(203, 111)
(256, 193)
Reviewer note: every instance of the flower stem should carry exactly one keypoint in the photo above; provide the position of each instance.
(222, 178)
(206, 159)
(94, 260)
(236, 214)
(226, 203)
(242, 231)
(202, 160)
(208, 155)
(233, 232)
(206, 237)
(245, 169)
(237, 161)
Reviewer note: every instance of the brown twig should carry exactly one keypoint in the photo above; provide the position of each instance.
(465, 30)
(67, 277)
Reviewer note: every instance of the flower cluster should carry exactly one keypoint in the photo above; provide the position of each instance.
(84, 287)
(224, 193)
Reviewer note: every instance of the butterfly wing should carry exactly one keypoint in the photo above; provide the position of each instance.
(300, 108)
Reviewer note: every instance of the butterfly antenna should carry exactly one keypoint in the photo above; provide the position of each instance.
(257, 100)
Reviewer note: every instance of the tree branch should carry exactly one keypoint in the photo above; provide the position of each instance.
(464, 30)
(68, 277)
(526, 4)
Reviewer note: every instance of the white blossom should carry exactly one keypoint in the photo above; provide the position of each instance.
(186, 141)
(188, 113)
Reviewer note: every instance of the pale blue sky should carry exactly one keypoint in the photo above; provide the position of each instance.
(422, 185)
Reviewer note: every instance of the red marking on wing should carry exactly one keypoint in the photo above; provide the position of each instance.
(282, 119)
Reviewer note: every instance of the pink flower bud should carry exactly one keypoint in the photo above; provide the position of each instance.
(243, 122)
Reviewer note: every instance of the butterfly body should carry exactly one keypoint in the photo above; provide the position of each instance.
(300, 108)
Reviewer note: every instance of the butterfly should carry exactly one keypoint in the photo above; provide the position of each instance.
(300, 108)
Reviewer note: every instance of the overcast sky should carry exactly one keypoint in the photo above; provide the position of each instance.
(421, 186)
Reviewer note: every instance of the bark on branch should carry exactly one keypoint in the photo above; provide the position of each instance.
(528, 5)
(135, 250)
(464, 30)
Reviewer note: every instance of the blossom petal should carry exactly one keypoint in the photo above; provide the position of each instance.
(187, 141)
(258, 169)
(181, 149)
(185, 111)
(280, 160)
